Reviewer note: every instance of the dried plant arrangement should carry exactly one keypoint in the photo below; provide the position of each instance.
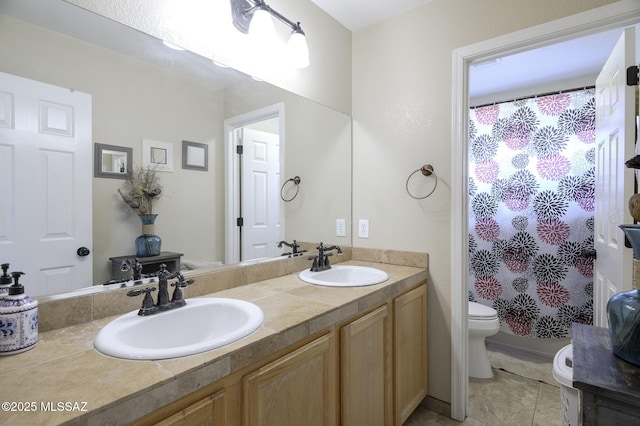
(141, 188)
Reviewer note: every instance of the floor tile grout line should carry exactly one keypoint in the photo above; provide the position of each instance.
(535, 407)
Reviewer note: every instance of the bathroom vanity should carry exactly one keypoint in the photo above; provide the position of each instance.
(324, 355)
(370, 369)
(610, 386)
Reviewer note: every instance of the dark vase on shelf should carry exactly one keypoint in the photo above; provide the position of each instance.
(148, 244)
(623, 309)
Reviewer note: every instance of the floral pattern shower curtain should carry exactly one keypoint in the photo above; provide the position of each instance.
(531, 192)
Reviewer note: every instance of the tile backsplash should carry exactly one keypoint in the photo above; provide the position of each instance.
(64, 311)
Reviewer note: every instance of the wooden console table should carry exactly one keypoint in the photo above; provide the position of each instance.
(150, 265)
(610, 386)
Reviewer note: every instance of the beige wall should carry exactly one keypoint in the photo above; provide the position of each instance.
(318, 150)
(402, 70)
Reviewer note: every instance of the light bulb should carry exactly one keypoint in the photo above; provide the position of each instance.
(261, 26)
(297, 50)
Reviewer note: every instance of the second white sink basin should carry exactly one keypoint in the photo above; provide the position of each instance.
(345, 276)
(203, 324)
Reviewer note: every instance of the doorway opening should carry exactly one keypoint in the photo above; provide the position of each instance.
(602, 19)
(254, 151)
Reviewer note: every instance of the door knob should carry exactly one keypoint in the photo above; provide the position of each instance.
(83, 251)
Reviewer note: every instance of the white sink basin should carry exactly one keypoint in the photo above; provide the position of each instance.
(345, 276)
(203, 324)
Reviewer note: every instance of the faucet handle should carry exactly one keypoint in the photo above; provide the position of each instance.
(178, 298)
(147, 303)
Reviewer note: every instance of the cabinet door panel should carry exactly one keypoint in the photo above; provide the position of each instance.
(297, 389)
(365, 355)
(206, 412)
(410, 351)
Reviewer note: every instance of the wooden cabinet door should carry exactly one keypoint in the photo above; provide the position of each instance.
(297, 389)
(365, 356)
(206, 412)
(410, 351)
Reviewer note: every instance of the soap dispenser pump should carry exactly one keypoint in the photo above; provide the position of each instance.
(18, 319)
(5, 281)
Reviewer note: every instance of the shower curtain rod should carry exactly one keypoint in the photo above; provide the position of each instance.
(557, 92)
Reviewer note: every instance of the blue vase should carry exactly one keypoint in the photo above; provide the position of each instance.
(623, 309)
(148, 244)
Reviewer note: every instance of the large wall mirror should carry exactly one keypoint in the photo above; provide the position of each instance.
(143, 90)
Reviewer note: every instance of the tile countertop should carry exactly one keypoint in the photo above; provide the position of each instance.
(64, 379)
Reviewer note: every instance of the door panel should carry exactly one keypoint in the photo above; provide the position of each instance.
(615, 113)
(260, 194)
(45, 159)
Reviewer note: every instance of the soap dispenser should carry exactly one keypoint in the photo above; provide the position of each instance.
(18, 319)
(5, 281)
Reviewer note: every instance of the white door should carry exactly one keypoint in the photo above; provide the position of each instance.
(45, 184)
(260, 209)
(615, 124)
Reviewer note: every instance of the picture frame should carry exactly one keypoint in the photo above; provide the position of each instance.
(158, 155)
(195, 156)
(112, 161)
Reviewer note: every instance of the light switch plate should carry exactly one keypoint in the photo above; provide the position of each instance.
(363, 228)
(341, 228)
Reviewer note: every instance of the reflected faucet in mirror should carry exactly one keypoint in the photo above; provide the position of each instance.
(135, 267)
(294, 249)
(321, 261)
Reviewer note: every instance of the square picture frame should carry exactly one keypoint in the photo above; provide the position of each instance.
(195, 156)
(112, 161)
(158, 155)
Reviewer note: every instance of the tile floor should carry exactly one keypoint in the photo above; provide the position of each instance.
(522, 392)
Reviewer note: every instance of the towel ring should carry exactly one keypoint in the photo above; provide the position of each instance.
(427, 170)
(296, 181)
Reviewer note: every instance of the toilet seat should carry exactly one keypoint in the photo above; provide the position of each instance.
(479, 312)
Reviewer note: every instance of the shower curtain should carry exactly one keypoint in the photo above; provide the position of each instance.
(531, 202)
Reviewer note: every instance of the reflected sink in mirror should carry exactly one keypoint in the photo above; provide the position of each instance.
(203, 324)
(345, 276)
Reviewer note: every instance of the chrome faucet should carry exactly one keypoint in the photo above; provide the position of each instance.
(321, 261)
(163, 302)
(294, 248)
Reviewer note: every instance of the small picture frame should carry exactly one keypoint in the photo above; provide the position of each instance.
(112, 161)
(195, 156)
(158, 155)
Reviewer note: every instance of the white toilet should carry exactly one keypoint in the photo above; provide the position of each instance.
(483, 322)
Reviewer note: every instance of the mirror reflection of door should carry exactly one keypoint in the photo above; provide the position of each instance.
(42, 235)
(260, 204)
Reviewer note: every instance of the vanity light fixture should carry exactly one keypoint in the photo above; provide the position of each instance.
(253, 17)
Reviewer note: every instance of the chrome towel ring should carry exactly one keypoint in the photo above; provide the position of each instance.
(427, 170)
(296, 181)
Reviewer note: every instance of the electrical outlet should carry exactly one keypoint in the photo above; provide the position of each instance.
(363, 228)
(341, 228)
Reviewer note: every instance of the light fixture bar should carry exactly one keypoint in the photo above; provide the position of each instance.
(242, 11)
